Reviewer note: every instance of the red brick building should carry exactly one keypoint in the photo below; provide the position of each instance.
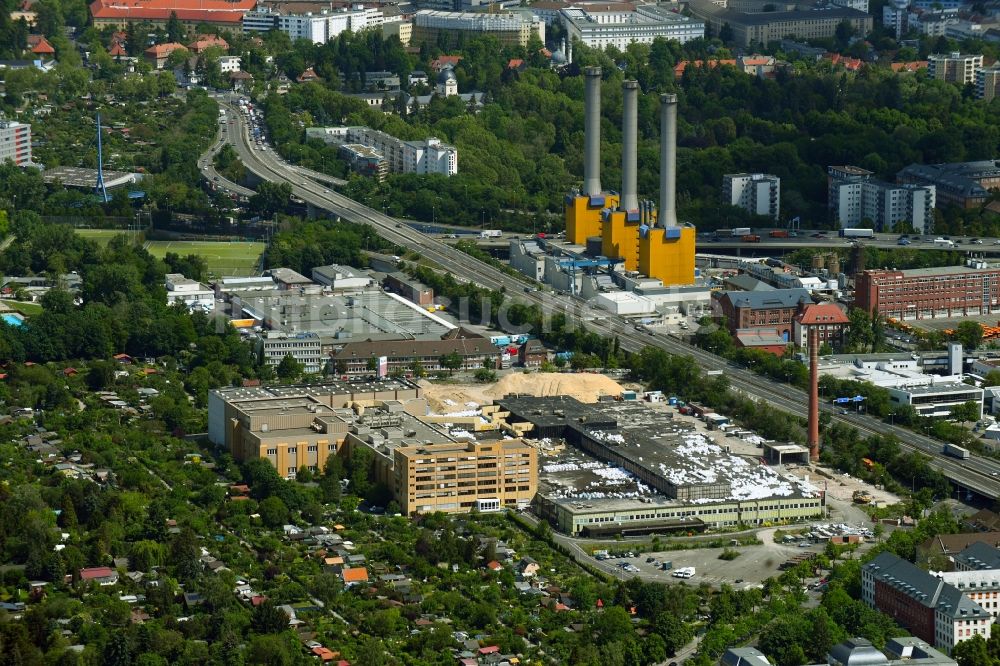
(927, 293)
(771, 310)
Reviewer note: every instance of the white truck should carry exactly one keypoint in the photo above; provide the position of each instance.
(490, 233)
(944, 242)
(739, 232)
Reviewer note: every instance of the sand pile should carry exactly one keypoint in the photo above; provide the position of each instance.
(585, 387)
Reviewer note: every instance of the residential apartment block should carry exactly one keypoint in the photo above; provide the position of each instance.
(443, 28)
(855, 197)
(421, 157)
(426, 467)
(988, 83)
(318, 28)
(930, 608)
(756, 193)
(964, 184)
(306, 348)
(954, 67)
(950, 292)
(15, 142)
(618, 25)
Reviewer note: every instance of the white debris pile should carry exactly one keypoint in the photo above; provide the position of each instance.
(571, 466)
(465, 413)
(458, 433)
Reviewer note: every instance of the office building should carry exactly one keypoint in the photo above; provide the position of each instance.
(427, 466)
(930, 608)
(750, 29)
(954, 67)
(600, 26)
(318, 28)
(15, 142)
(189, 292)
(858, 199)
(224, 14)
(828, 319)
(964, 184)
(442, 28)
(421, 157)
(947, 292)
(304, 347)
(988, 83)
(756, 193)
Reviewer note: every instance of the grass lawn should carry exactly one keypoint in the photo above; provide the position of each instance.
(24, 307)
(100, 236)
(224, 258)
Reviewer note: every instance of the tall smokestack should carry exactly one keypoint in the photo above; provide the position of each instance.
(592, 132)
(630, 141)
(668, 160)
(813, 432)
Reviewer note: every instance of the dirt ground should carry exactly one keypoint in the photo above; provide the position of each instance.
(585, 387)
(841, 486)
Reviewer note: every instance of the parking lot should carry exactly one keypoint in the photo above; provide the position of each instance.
(753, 565)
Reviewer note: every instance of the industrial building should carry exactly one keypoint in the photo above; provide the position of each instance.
(756, 193)
(189, 292)
(422, 157)
(964, 184)
(15, 142)
(601, 26)
(954, 67)
(224, 14)
(946, 292)
(930, 608)
(443, 28)
(855, 197)
(427, 466)
(681, 480)
(643, 239)
(771, 310)
(318, 28)
(341, 278)
(402, 356)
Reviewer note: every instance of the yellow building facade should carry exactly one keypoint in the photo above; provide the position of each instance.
(667, 254)
(620, 237)
(583, 216)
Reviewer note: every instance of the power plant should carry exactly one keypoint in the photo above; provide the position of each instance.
(631, 232)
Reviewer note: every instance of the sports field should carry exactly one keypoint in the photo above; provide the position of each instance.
(224, 258)
(100, 236)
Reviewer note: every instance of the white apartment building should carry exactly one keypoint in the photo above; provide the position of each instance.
(15, 142)
(619, 28)
(855, 196)
(306, 348)
(317, 28)
(229, 63)
(954, 67)
(511, 28)
(189, 292)
(421, 157)
(756, 193)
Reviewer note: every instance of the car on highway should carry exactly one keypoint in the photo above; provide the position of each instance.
(903, 241)
(976, 241)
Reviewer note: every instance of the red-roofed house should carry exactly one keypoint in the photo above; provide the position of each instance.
(848, 63)
(354, 575)
(909, 67)
(226, 14)
(489, 649)
(40, 46)
(827, 317)
(769, 340)
(494, 566)
(307, 76)
(324, 654)
(203, 42)
(757, 65)
(103, 575)
(445, 61)
(516, 64)
(117, 50)
(157, 55)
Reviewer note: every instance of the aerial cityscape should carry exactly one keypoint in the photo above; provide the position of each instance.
(499, 333)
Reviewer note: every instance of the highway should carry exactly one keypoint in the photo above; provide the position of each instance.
(978, 474)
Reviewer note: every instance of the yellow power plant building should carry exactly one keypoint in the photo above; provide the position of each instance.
(583, 215)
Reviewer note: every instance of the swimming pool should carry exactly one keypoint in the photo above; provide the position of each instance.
(13, 319)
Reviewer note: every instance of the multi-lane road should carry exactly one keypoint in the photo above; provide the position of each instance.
(977, 474)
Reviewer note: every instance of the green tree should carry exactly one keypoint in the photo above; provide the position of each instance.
(973, 652)
(273, 511)
(967, 411)
(175, 31)
(289, 369)
(451, 362)
(267, 618)
(969, 333)
(329, 483)
(673, 630)
(992, 378)
(304, 475)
